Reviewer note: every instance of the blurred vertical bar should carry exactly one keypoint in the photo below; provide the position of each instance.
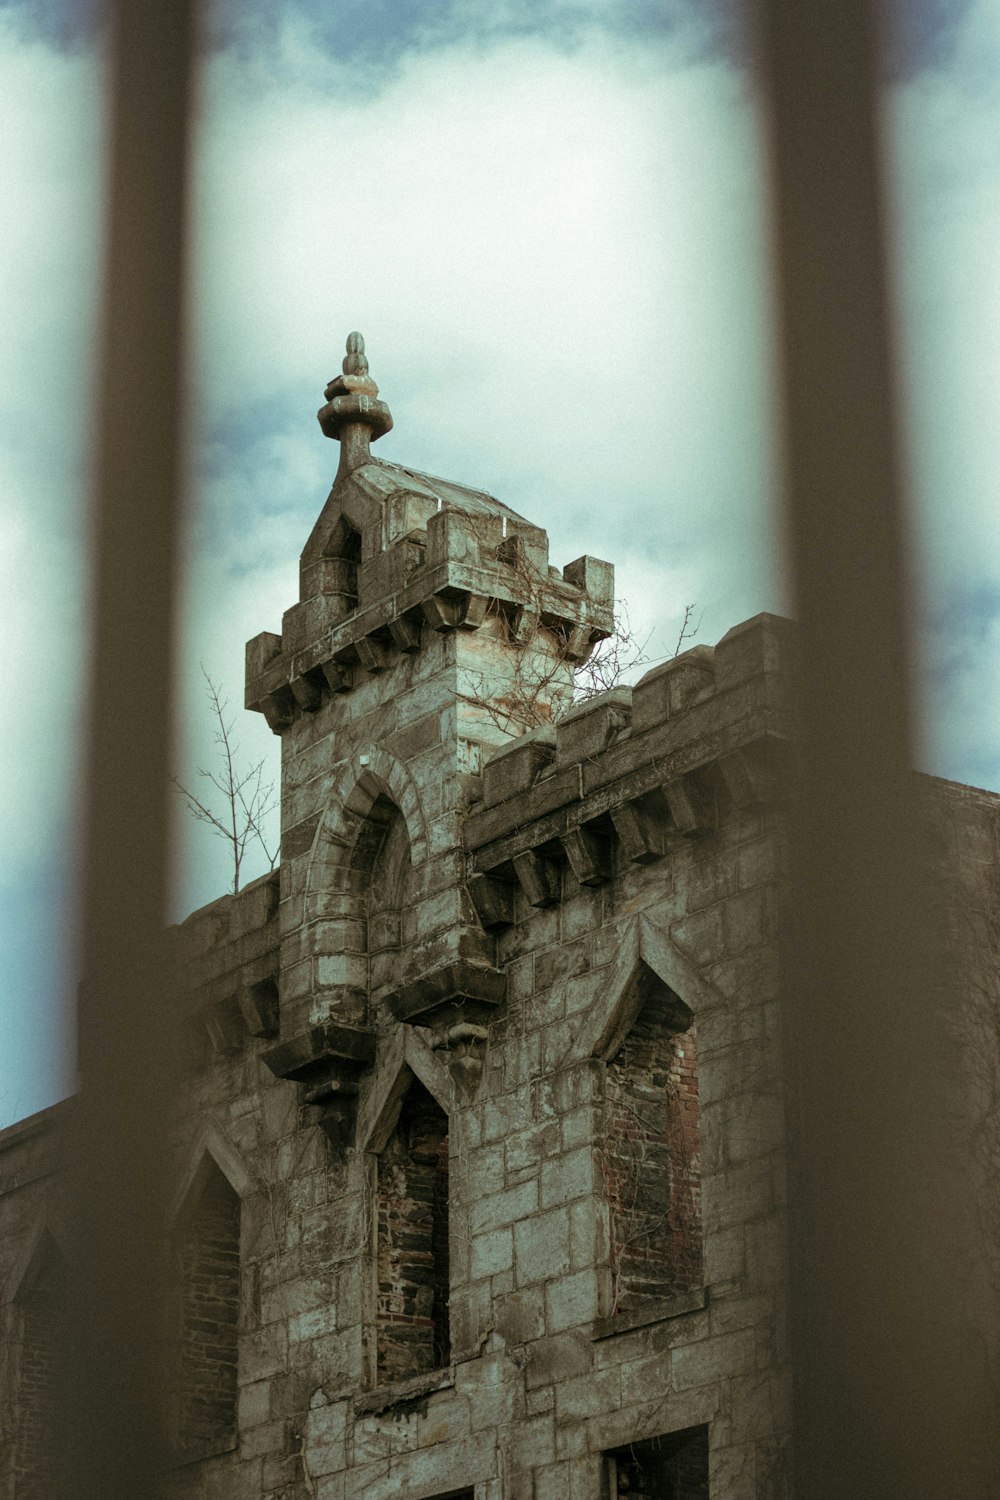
(114, 1177)
(890, 1392)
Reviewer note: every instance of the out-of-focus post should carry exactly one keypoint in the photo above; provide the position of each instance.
(890, 1388)
(114, 1173)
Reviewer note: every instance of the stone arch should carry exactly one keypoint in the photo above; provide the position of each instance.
(373, 803)
(644, 1031)
(212, 1147)
(406, 1057)
(206, 1296)
(371, 774)
(405, 1127)
(645, 948)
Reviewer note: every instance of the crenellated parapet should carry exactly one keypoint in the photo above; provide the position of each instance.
(624, 773)
(227, 963)
(455, 572)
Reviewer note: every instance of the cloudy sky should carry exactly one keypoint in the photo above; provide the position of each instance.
(548, 221)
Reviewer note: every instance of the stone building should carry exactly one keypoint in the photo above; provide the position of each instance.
(479, 1150)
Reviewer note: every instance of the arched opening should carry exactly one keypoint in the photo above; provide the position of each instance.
(382, 856)
(341, 557)
(42, 1308)
(651, 1150)
(207, 1304)
(412, 1247)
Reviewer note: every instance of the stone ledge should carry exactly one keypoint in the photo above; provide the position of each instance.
(658, 1311)
(402, 1392)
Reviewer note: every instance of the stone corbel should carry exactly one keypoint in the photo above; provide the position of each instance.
(749, 775)
(641, 827)
(540, 878)
(588, 855)
(691, 807)
(339, 676)
(449, 993)
(307, 690)
(326, 1061)
(278, 709)
(578, 642)
(522, 623)
(465, 1044)
(455, 610)
(405, 633)
(372, 653)
(259, 1006)
(493, 900)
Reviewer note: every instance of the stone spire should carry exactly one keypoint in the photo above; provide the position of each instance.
(353, 413)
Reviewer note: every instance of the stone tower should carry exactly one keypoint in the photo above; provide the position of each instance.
(430, 630)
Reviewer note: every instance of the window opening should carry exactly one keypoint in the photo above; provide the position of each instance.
(651, 1153)
(673, 1467)
(412, 1251)
(207, 1248)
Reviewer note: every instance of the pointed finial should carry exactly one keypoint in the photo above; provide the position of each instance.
(353, 413)
(355, 362)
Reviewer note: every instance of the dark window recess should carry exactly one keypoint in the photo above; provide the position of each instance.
(673, 1467)
(208, 1305)
(651, 1153)
(36, 1454)
(343, 555)
(383, 857)
(413, 1275)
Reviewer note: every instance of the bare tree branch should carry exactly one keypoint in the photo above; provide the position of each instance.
(246, 799)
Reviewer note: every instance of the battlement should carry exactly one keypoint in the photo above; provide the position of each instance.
(621, 773)
(226, 955)
(453, 572)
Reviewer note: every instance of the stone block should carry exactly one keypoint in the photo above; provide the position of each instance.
(513, 770)
(712, 1359)
(509, 1207)
(571, 1301)
(594, 578)
(587, 730)
(558, 1358)
(541, 1245)
(669, 690)
(566, 1177)
(519, 1317)
(765, 643)
(492, 1253)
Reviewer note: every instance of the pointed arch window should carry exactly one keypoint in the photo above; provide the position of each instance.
(412, 1242)
(382, 855)
(651, 1151)
(206, 1246)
